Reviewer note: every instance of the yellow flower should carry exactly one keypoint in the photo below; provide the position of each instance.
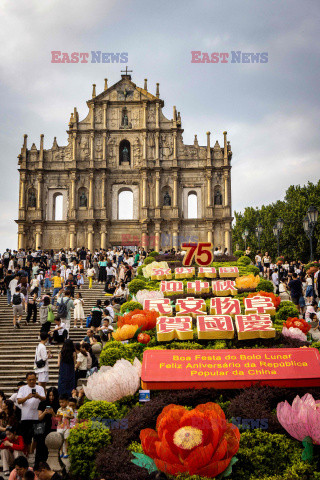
(125, 332)
(248, 281)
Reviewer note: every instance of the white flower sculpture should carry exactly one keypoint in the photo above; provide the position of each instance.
(113, 383)
(147, 271)
(148, 295)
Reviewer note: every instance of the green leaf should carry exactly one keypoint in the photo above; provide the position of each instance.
(228, 470)
(307, 453)
(135, 336)
(144, 461)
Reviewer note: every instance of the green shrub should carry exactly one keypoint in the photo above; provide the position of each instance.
(139, 270)
(286, 303)
(114, 351)
(84, 442)
(238, 253)
(286, 312)
(262, 454)
(265, 286)
(148, 260)
(97, 409)
(135, 285)
(130, 306)
(244, 260)
(135, 447)
(153, 254)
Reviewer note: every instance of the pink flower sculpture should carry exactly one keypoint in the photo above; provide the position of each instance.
(302, 419)
(294, 333)
(148, 295)
(113, 383)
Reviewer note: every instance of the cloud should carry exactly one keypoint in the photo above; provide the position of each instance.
(270, 111)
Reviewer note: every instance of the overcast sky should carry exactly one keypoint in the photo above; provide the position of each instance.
(270, 110)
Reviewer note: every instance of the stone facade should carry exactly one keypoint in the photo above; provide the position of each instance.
(124, 144)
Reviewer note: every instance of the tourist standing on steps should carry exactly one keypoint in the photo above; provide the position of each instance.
(64, 306)
(18, 303)
(57, 285)
(32, 306)
(29, 397)
(7, 279)
(66, 364)
(78, 310)
(41, 365)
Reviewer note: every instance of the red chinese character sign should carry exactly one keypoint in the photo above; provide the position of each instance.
(225, 306)
(174, 328)
(254, 326)
(198, 287)
(161, 274)
(161, 305)
(214, 327)
(207, 272)
(171, 287)
(191, 306)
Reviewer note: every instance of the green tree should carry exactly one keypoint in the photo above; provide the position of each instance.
(294, 244)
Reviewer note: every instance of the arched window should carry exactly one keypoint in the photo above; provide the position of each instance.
(125, 205)
(124, 152)
(58, 207)
(217, 195)
(192, 205)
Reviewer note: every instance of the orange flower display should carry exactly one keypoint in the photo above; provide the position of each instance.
(144, 338)
(248, 281)
(198, 442)
(300, 323)
(125, 333)
(275, 299)
(146, 319)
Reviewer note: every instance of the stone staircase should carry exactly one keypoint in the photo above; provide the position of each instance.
(17, 347)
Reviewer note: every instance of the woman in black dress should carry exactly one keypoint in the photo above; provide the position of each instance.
(66, 363)
(96, 314)
(47, 410)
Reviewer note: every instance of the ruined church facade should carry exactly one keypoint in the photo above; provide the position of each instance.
(125, 148)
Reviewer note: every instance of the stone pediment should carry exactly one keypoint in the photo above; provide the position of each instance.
(124, 91)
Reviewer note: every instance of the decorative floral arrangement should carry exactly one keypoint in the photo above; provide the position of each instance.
(294, 333)
(148, 295)
(125, 333)
(146, 319)
(113, 383)
(143, 338)
(299, 323)
(302, 419)
(275, 299)
(199, 441)
(148, 269)
(248, 281)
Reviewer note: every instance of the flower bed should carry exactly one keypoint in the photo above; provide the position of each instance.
(206, 433)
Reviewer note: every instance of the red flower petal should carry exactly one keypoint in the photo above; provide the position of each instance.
(172, 469)
(232, 435)
(169, 419)
(199, 457)
(214, 468)
(148, 439)
(165, 451)
(221, 450)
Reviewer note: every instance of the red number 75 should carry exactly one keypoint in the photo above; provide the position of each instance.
(202, 253)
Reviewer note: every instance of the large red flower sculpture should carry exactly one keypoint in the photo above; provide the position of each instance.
(198, 442)
(297, 323)
(275, 299)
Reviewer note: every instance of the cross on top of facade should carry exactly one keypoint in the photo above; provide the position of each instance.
(126, 71)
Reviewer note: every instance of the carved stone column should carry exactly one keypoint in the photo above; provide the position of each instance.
(72, 234)
(157, 190)
(175, 190)
(226, 193)
(91, 191)
(39, 191)
(90, 237)
(74, 146)
(38, 236)
(21, 237)
(104, 107)
(104, 146)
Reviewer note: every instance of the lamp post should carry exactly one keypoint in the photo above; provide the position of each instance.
(244, 237)
(277, 229)
(309, 223)
(259, 230)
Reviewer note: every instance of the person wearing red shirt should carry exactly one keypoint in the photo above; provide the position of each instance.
(12, 447)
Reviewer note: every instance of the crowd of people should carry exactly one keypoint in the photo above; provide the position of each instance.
(45, 287)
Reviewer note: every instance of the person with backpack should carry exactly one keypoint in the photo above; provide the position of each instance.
(58, 282)
(46, 314)
(64, 306)
(18, 303)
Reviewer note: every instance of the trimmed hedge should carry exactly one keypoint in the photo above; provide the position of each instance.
(244, 260)
(97, 409)
(148, 260)
(265, 286)
(130, 306)
(135, 285)
(84, 442)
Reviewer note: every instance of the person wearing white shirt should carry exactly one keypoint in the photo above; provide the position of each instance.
(13, 285)
(42, 355)
(108, 309)
(29, 396)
